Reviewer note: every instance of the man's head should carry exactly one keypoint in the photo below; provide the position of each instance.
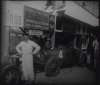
(25, 37)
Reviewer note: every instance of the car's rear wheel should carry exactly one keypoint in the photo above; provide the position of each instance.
(52, 67)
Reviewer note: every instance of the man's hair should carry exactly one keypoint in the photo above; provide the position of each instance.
(25, 34)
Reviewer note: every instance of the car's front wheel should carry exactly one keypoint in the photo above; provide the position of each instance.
(52, 67)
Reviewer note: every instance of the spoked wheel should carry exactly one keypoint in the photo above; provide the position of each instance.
(11, 76)
(52, 67)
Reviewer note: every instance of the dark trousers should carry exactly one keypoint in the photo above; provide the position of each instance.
(98, 71)
(91, 58)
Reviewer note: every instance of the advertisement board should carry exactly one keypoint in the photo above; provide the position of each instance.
(13, 14)
(35, 19)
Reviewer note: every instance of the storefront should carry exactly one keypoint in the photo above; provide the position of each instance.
(72, 31)
(73, 19)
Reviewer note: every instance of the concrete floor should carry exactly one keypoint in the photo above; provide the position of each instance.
(70, 76)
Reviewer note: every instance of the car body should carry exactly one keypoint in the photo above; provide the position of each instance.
(70, 56)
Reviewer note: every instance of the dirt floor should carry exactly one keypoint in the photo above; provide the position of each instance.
(69, 76)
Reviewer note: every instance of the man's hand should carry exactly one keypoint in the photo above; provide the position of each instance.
(21, 54)
(34, 53)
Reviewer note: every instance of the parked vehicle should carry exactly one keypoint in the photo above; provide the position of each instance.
(48, 61)
(11, 73)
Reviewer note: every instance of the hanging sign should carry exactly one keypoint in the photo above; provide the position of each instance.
(35, 32)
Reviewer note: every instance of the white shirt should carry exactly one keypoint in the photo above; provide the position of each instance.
(27, 47)
(96, 44)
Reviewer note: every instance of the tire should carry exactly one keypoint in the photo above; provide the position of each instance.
(52, 67)
(83, 59)
(10, 75)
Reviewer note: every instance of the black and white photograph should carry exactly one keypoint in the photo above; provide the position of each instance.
(50, 42)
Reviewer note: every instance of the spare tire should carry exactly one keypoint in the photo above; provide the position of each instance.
(52, 67)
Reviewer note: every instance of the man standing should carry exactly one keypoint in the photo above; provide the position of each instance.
(96, 49)
(27, 49)
(90, 51)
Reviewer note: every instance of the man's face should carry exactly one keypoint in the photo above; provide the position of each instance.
(25, 38)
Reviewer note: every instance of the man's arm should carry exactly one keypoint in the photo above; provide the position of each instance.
(18, 48)
(37, 48)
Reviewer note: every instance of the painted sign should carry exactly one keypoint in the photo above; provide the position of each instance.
(35, 32)
(13, 14)
(35, 19)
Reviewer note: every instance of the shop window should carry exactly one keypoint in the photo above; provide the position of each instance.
(68, 25)
(75, 28)
(59, 22)
(84, 30)
(79, 28)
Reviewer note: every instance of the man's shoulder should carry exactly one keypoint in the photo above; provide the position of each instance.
(22, 42)
(30, 41)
